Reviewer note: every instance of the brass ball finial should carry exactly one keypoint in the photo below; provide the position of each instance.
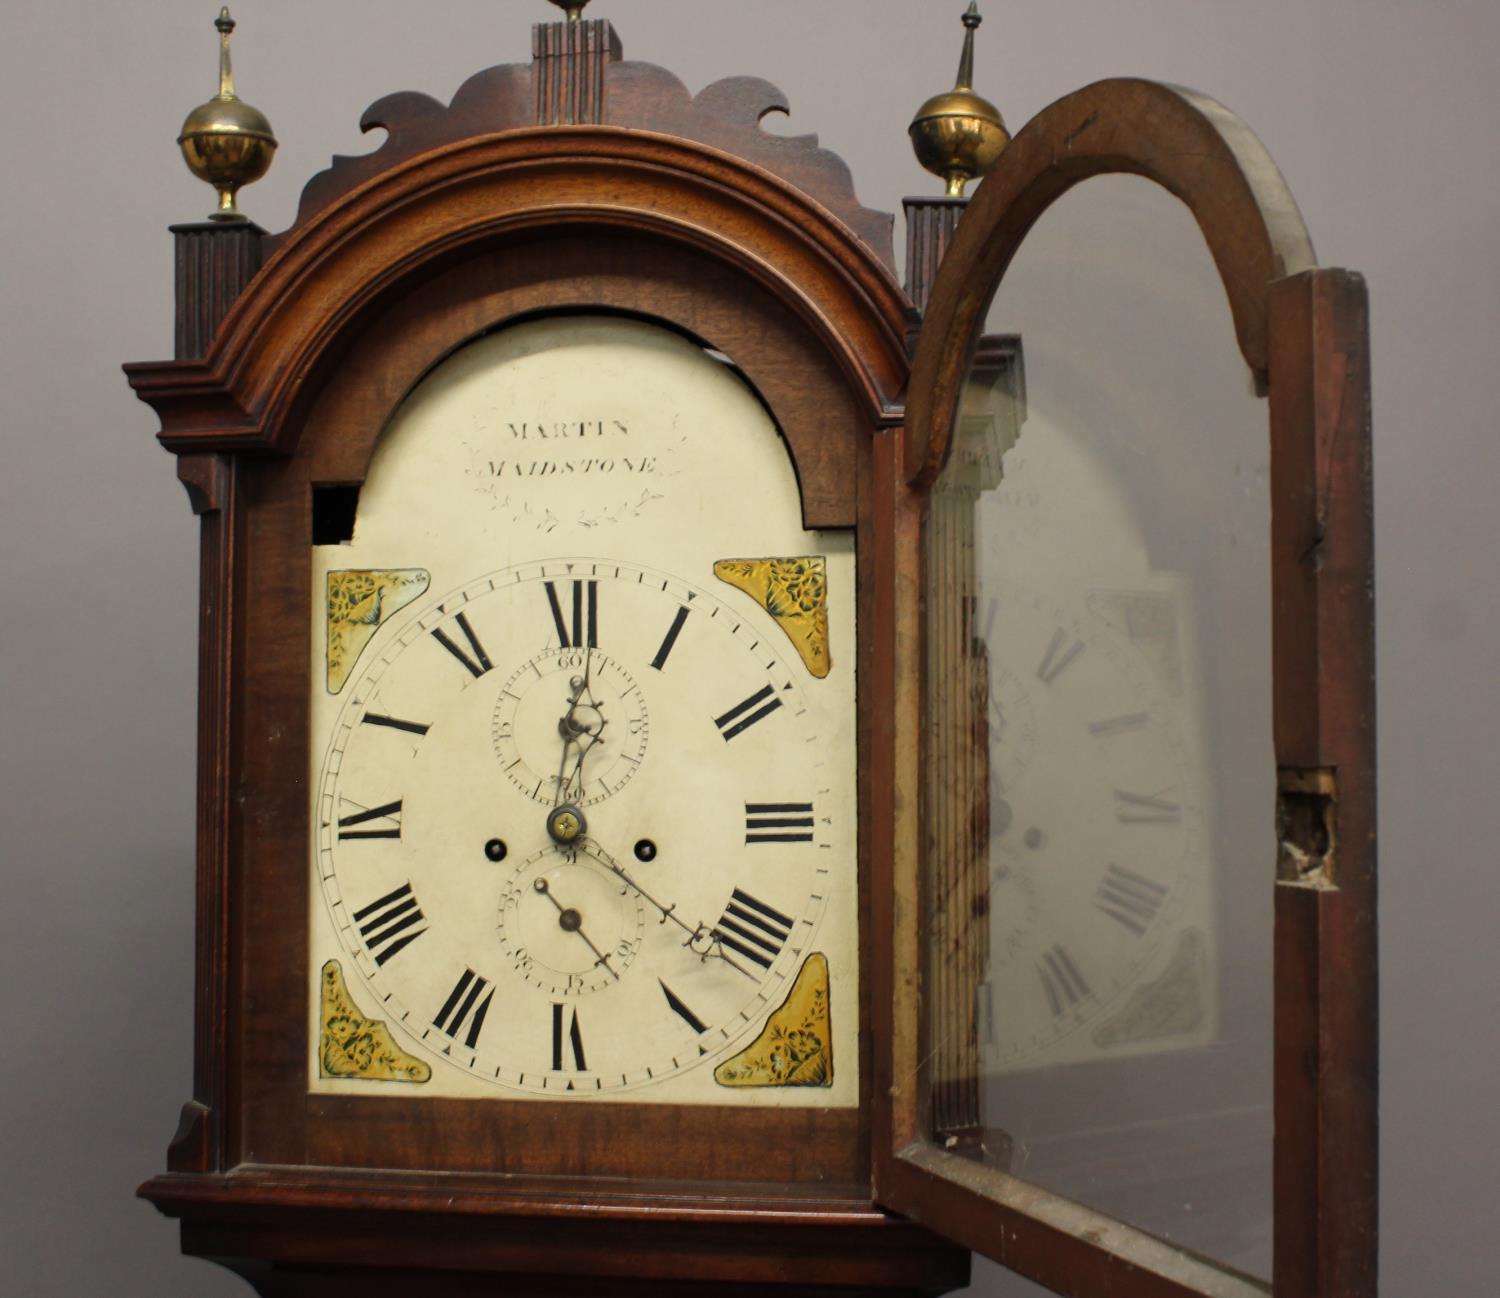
(959, 135)
(573, 8)
(225, 141)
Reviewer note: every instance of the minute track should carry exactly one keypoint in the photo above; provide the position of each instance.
(670, 964)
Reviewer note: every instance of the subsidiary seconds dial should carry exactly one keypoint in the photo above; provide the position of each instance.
(601, 704)
(542, 827)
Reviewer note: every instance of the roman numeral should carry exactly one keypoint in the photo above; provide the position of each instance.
(1129, 898)
(395, 723)
(755, 930)
(565, 1029)
(582, 629)
(464, 1007)
(736, 722)
(480, 662)
(1062, 982)
(1061, 651)
(670, 639)
(391, 811)
(681, 1010)
(390, 924)
(778, 822)
(1145, 809)
(1120, 725)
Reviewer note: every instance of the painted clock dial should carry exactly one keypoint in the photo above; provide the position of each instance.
(672, 730)
(583, 814)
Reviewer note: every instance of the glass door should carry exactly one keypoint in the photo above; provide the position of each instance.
(1131, 849)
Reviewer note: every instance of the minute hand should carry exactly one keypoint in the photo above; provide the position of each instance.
(694, 932)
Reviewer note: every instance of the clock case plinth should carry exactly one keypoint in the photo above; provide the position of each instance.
(578, 183)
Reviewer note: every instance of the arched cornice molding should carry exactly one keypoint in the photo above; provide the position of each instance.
(1189, 144)
(331, 272)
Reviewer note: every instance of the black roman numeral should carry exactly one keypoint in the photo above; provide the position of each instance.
(391, 924)
(1062, 982)
(744, 715)
(1145, 809)
(394, 723)
(1129, 898)
(565, 1029)
(778, 822)
(670, 639)
(1061, 651)
(480, 662)
(681, 1010)
(391, 811)
(464, 1007)
(755, 930)
(582, 630)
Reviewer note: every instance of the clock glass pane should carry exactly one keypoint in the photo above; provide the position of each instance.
(1099, 838)
(583, 770)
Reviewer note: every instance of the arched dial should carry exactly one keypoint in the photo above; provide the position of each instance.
(1096, 822)
(574, 826)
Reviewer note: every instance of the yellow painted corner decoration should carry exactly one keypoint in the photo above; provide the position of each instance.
(358, 602)
(795, 1048)
(795, 593)
(354, 1046)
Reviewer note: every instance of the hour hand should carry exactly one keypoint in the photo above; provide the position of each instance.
(571, 921)
(581, 727)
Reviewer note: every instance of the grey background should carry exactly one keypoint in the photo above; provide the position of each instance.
(1381, 114)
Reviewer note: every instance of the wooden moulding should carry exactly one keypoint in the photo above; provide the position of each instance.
(214, 262)
(322, 1222)
(1189, 144)
(569, 66)
(210, 482)
(577, 78)
(930, 224)
(403, 226)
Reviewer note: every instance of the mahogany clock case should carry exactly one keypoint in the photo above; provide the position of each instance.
(398, 260)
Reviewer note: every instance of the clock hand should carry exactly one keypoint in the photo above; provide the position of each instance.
(563, 764)
(570, 921)
(577, 731)
(696, 933)
(569, 729)
(585, 734)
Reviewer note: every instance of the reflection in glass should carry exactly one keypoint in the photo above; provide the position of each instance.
(1099, 811)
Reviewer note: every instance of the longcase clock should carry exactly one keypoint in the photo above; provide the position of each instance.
(604, 770)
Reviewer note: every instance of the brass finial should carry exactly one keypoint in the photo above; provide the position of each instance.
(959, 135)
(574, 8)
(225, 141)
